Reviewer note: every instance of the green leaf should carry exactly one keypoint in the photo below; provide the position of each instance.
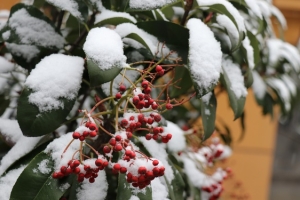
(182, 75)
(255, 45)
(173, 35)
(35, 123)
(113, 21)
(208, 113)
(248, 78)
(125, 192)
(42, 185)
(139, 39)
(177, 186)
(4, 103)
(237, 104)
(99, 76)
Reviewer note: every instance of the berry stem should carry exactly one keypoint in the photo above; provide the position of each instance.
(94, 150)
(67, 147)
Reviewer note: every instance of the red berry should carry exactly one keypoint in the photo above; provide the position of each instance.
(87, 124)
(161, 129)
(55, 175)
(93, 127)
(142, 170)
(150, 121)
(63, 169)
(141, 104)
(124, 122)
(145, 84)
(86, 167)
(98, 162)
(155, 162)
(76, 170)
(81, 138)
(131, 118)
(85, 133)
(118, 138)
(118, 147)
(154, 106)
(132, 125)
(123, 170)
(155, 137)
(106, 149)
(138, 125)
(112, 141)
(118, 95)
(76, 135)
(141, 118)
(141, 96)
(117, 166)
(128, 152)
(158, 68)
(129, 135)
(147, 90)
(148, 136)
(122, 88)
(150, 101)
(135, 100)
(142, 178)
(76, 163)
(160, 73)
(149, 175)
(91, 180)
(169, 106)
(155, 171)
(156, 130)
(157, 118)
(132, 155)
(169, 136)
(147, 97)
(105, 164)
(93, 134)
(164, 140)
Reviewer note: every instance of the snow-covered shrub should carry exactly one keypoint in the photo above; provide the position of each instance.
(93, 94)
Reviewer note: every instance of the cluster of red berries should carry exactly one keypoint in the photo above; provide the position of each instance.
(140, 175)
(159, 70)
(83, 171)
(144, 100)
(122, 89)
(116, 144)
(89, 130)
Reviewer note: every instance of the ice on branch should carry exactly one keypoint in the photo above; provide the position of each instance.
(205, 55)
(33, 31)
(56, 76)
(105, 47)
(148, 4)
(68, 5)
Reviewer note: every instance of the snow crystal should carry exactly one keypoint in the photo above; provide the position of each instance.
(8, 181)
(31, 30)
(252, 4)
(177, 143)
(231, 29)
(236, 78)
(148, 4)
(107, 14)
(95, 191)
(105, 47)
(157, 151)
(259, 87)
(232, 10)
(276, 12)
(43, 167)
(57, 147)
(10, 130)
(5, 65)
(282, 90)
(68, 5)
(27, 52)
(56, 76)
(23, 146)
(250, 52)
(205, 55)
(193, 173)
(159, 191)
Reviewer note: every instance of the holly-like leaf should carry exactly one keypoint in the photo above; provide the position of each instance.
(99, 76)
(42, 186)
(125, 191)
(208, 113)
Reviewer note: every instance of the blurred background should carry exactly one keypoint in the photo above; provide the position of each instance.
(266, 162)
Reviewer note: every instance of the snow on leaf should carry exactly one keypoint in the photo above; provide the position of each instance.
(107, 14)
(27, 52)
(148, 4)
(232, 31)
(253, 6)
(105, 47)
(205, 56)
(68, 5)
(32, 30)
(281, 19)
(10, 130)
(159, 190)
(6, 66)
(95, 191)
(249, 51)
(177, 143)
(259, 86)
(290, 84)
(56, 76)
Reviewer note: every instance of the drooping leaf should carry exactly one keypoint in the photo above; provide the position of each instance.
(42, 185)
(255, 45)
(208, 113)
(139, 39)
(113, 21)
(99, 76)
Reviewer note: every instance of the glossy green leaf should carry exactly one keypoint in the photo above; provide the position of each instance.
(125, 192)
(139, 39)
(32, 184)
(173, 35)
(237, 104)
(113, 21)
(183, 82)
(248, 78)
(208, 114)
(99, 76)
(35, 123)
(255, 45)
(176, 187)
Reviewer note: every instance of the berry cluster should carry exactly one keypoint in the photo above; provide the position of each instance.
(89, 130)
(122, 89)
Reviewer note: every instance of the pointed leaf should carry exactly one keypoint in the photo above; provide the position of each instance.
(139, 39)
(208, 113)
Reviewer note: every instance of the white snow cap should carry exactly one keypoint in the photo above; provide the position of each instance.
(56, 76)
(31, 30)
(5, 65)
(148, 4)
(10, 130)
(68, 5)
(107, 14)
(105, 47)
(259, 86)
(252, 4)
(250, 52)
(177, 143)
(231, 29)
(236, 78)
(28, 52)
(205, 55)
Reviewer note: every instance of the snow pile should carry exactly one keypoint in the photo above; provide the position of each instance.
(31, 30)
(10, 130)
(5, 65)
(107, 14)
(148, 4)
(27, 52)
(290, 84)
(177, 143)
(259, 87)
(159, 191)
(56, 76)
(236, 78)
(105, 47)
(205, 55)
(8, 181)
(43, 167)
(68, 5)
(95, 191)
